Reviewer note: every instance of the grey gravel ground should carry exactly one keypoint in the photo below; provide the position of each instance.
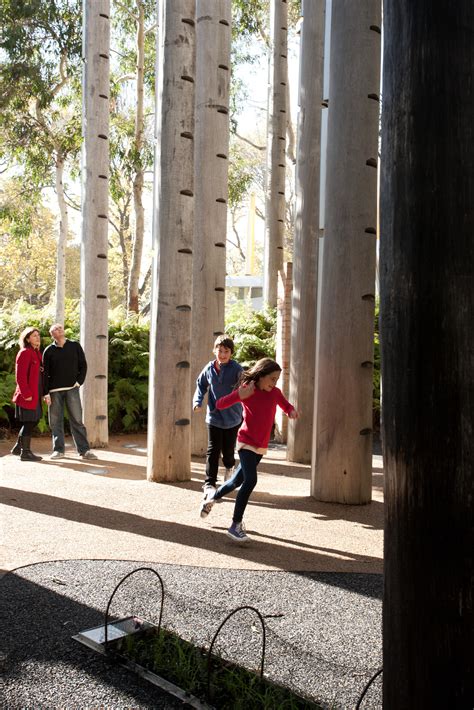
(323, 630)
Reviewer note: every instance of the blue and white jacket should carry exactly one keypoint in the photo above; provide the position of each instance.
(218, 384)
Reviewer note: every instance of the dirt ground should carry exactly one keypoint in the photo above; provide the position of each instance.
(106, 509)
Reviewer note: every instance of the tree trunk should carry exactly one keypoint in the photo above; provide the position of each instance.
(138, 181)
(211, 140)
(95, 172)
(305, 250)
(60, 292)
(342, 470)
(427, 335)
(276, 152)
(169, 409)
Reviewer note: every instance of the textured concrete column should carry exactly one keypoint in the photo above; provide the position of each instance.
(276, 151)
(283, 345)
(342, 470)
(211, 151)
(95, 205)
(305, 247)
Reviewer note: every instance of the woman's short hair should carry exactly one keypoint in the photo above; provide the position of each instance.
(23, 340)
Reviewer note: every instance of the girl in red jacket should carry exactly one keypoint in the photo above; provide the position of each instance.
(260, 397)
(27, 396)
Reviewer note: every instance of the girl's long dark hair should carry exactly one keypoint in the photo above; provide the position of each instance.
(262, 367)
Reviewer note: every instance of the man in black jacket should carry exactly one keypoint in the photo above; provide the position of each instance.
(65, 370)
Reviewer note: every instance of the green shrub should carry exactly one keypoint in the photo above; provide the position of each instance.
(128, 361)
(253, 332)
(128, 372)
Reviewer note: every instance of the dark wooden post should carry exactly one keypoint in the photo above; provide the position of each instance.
(427, 330)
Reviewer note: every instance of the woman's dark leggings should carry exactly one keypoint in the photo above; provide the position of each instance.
(27, 428)
(245, 476)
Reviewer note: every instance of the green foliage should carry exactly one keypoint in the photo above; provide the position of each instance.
(253, 332)
(232, 687)
(241, 176)
(7, 387)
(128, 361)
(128, 372)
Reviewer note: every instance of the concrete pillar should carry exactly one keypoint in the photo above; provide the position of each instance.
(342, 470)
(283, 346)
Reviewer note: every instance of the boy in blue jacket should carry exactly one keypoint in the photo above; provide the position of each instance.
(218, 378)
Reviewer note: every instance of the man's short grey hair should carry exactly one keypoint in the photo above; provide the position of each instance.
(54, 326)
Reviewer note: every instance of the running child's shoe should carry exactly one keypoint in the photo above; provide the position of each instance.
(236, 532)
(206, 505)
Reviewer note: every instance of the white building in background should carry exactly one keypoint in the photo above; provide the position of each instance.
(245, 288)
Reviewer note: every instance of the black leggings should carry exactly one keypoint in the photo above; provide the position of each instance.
(27, 428)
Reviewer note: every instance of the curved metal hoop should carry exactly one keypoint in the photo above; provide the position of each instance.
(139, 569)
(239, 608)
(367, 686)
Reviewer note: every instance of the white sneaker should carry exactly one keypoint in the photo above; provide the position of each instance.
(229, 472)
(88, 455)
(57, 455)
(209, 490)
(206, 507)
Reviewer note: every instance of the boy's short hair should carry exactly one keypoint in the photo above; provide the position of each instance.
(224, 340)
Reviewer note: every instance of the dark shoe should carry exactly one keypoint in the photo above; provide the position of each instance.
(237, 533)
(26, 452)
(16, 451)
(28, 455)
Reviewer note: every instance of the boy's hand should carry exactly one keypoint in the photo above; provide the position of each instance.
(47, 399)
(246, 391)
(293, 414)
(197, 408)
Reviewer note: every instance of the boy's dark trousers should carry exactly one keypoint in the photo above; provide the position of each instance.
(219, 441)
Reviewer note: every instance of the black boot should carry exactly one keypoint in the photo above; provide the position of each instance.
(16, 451)
(26, 452)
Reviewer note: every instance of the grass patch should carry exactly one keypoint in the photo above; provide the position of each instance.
(231, 687)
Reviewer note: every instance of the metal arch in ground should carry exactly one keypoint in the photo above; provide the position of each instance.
(366, 687)
(138, 569)
(209, 653)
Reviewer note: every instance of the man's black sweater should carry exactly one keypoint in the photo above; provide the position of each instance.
(65, 366)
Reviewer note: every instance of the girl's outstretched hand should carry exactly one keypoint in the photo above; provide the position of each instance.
(293, 414)
(246, 391)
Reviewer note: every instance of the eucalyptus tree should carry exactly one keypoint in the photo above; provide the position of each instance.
(276, 150)
(169, 409)
(342, 470)
(95, 199)
(307, 232)
(39, 95)
(28, 248)
(132, 121)
(211, 160)
(427, 337)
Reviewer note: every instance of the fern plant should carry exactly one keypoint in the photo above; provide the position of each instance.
(253, 332)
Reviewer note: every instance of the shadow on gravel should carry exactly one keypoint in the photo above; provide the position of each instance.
(44, 667)
(320, 637)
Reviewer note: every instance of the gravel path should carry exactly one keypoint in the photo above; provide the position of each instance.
(323, 630)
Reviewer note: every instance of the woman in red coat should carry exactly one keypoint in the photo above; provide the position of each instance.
(27, 397)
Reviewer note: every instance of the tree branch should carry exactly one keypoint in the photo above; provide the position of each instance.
(246, 140)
